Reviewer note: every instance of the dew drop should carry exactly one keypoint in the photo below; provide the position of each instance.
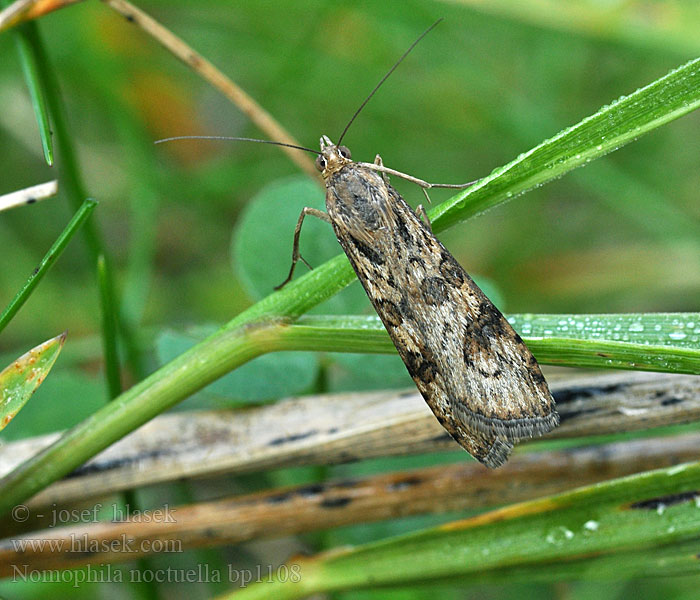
(591, 525)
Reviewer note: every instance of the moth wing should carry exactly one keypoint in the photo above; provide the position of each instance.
(508, 395)
(472, 368)
(489, 449)
(492, 381)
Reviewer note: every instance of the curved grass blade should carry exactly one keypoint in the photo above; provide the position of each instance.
(554, 537)
(613, 126)
(27, 41)
(20, 379)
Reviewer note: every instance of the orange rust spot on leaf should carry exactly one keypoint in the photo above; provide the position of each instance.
(7, 419)
(502, 514)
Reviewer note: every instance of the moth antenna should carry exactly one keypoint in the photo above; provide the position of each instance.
(389, 72)
(236, 139)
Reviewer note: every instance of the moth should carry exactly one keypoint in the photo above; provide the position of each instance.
(474, 371)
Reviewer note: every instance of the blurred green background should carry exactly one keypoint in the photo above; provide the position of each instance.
(199, 230)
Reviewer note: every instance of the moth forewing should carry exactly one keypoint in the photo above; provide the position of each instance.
(476, 374)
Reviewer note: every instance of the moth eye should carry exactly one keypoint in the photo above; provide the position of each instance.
(320, 162)
(344, 151)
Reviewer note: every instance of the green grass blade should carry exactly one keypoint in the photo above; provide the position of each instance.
(556, 535)
(20, 380)
(109, 328)
(54, 252)
(27, 40)
(613, 126)
(666, 342)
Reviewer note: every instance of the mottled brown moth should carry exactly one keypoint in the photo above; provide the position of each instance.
(475, 372)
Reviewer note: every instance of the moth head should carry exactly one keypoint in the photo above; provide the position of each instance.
(332, 157)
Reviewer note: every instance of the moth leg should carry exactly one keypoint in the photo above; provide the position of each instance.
(422, 183)
(296, 255)
(420, 211)
(378, 161)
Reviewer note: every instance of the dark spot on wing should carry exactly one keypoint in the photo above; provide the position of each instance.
(390, 313)
(536, 375)
(402, 230)
(345, 483)
(420, 366)
(366, 211)
(367, 251)
(451, 270)
(405, 308)
(434, 290)
(495, 373)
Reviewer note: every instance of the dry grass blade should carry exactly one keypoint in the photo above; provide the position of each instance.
(258, 115)
(15, 13)
(29, 195)
(24, 10)
(332, 504)
(340, 428)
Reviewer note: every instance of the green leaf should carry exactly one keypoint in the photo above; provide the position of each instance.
(20, 380)
(40, 416)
